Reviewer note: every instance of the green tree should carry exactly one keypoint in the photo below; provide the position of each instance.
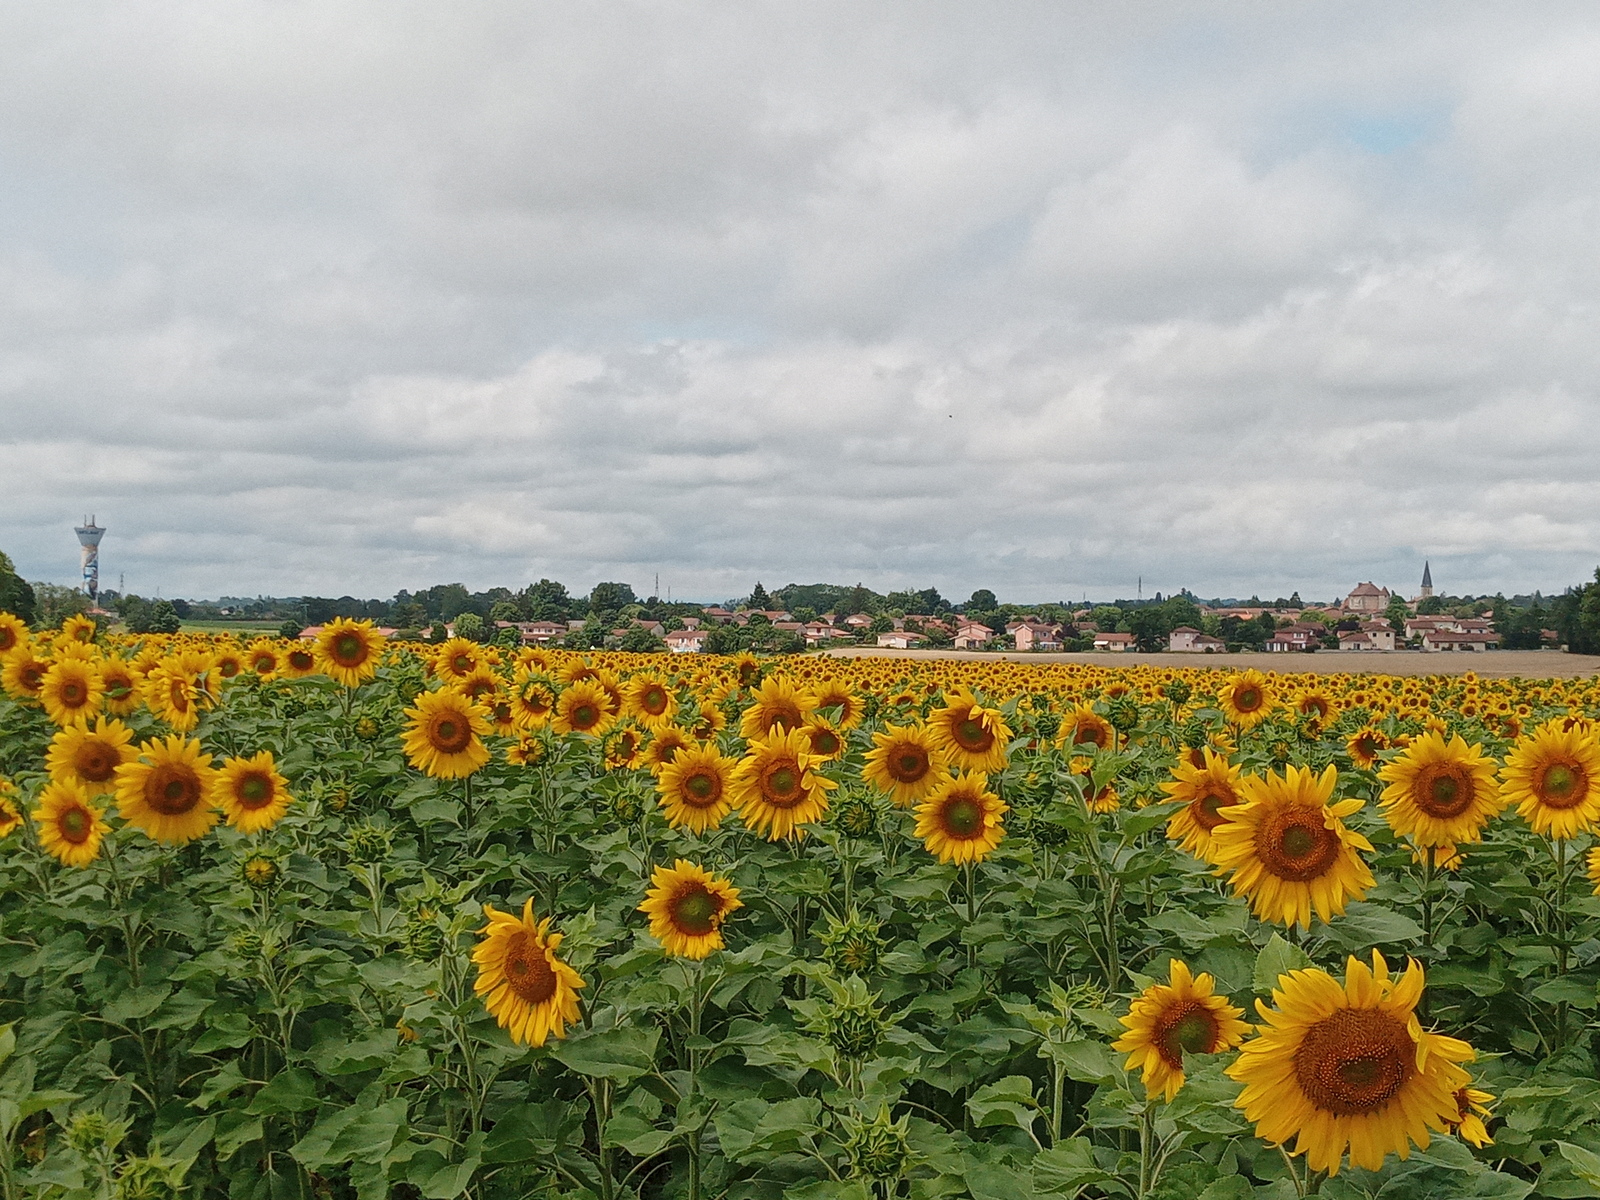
(164, 618)
(639, 640)
(139, 621)
(859, 601)
(505, 610)
(1150, 627)
(55, 603)
(982, 601)
(1430, 606)
(16, 597)
(546, 600)
(1396, 614)
(470, 626)
(611, 597)
(759, 597)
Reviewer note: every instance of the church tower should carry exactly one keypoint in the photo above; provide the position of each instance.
(1427, 582)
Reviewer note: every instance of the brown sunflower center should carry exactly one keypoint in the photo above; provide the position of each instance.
(228, 668)
(1296, 845)
(301, 660)
(178, 696)
(449, 733)
(824, 741)
(263, 664)
(695, 910)
(1563, 785)
(349, 650)
(1089, 734)
(1247, 698)
(654, 701)
(961, 817)
(118, 687)
(74, 825)
(1186, 1028)
(462, 664)
(95, 761)
(253, 791)
(908, 764)
(173, 789)
(1355, 1061)
(780, 784)
(73, 693)
(1207, 809)
(8, 638)
(971, 735)
(32, 676)
(585, 716)
(783, 716)
(1444, 791)
(703, 788)
(528, 972)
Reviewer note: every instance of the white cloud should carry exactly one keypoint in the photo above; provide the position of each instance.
(344, 297)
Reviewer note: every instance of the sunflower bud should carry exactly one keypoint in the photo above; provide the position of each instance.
(367, 843)
(152, 1177)
(367, 729)
(1123, 713)
(878, 1150)
(422, 939)
(853, 946)
(91, 1133)
(855, 815)
(851, 1019)
(261, 872)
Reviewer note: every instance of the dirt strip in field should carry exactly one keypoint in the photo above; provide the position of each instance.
(1502, 664)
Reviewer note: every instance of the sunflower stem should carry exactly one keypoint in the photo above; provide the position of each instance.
(1560, 852)
(696, 1001)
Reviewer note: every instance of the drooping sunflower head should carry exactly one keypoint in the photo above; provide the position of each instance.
(533, 699)
(71, 828)
(1365, 745)
(777, 786)
(826, 738)
(1348, 1067)
(1172, 1019)
(1315, 706)
(90, 756)
(959, 821)
(1205, 791)
(250, 792)
(1246, 699)
(1288, 849)
(166, 791)
(531, 993)
(583, 707)
(622, 748)
(905, 762)
(1553, 777)
(687, 905)
(972, 736)
(1440, 792)
(444, 734)
(348, 651)
(776, 706)
(696, 788)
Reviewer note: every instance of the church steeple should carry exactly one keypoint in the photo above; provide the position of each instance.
(1427, 580)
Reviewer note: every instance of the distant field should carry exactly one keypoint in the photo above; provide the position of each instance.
(1498, 664)
(237, 628)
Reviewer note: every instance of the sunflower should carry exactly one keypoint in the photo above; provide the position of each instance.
(649, 700)
(457, 658)
(71, 690)
(250, 792)
(1288, 849)
(1472, 1109)
(13, 633)
(776, 706)
(531, 993)
(1365, 745)
(1349, 1068)
(972, 737)
(1440, 792)
(708, 723)
(746, 668)
(90, 757)
(445, 735)
(299, 661)
(665, 745)
(583, 707)
(174, 695)
(1172, 1019)
(1314, 705)
(1553, 777)
(696, 788)
(1246, 699)
(70, 826)
(229, 663)
(348, 651)
(776, 788)
(827, 740)
(959, 821)
(165, 791)
(687, 905)
(23, 674)
(1205, 791)
(262, 657)
(835, 693)
(532, 701)
(1085, 727)
(905, 762)
(10, 814)
(527, 751)
(622, 749)
(477, 686)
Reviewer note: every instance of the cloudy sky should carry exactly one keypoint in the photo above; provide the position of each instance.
(1042, 297)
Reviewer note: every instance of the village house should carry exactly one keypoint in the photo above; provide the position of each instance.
(1373, 635)
(1116, 642)
(1367, 598)
(1185, 640)
(973, 635)
(818, 632)
(718, 614)
(686, 641)
(1036, 635)
(900, 639)
(1450, 640)
(1300, 636)
(857, 621)
(535, 633)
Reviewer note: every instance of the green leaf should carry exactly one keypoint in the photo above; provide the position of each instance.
(228, 1031)
(234, 1130)
(359, 1132)
(222, 1083)
(1566, 990)
(1231, 1187)
(990, 1181)
(1277, 957)
(290, 1091)
(135, 1003)
(533, 1132)
(1584, 1163)
(754, 1129)
(636, 1135)
(1067, 1168)
(1365, 925)
(620, 1054)
(1008, 1101)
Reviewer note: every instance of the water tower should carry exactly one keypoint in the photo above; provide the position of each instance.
(89, 535)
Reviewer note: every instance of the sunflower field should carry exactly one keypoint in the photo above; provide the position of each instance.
(344, 919)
